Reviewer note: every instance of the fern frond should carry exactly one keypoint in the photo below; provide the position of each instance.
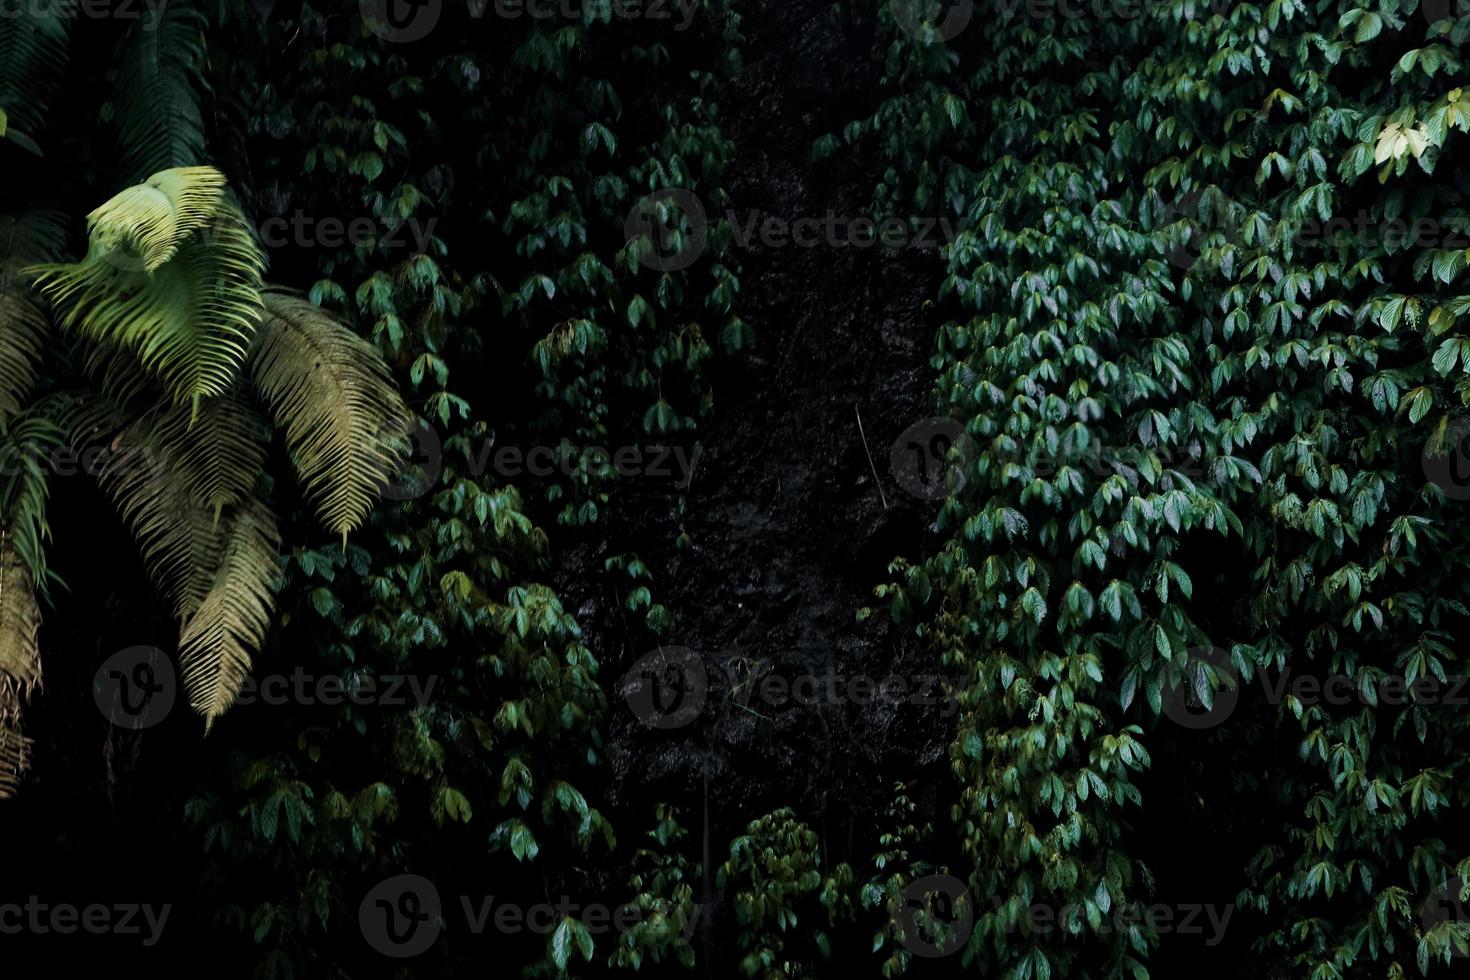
(331, 392)
(33, 47)
(14, 747)
(22, 339)
(118, 377)
(211, 545)
(20, 660)
(155, 99)
(24, 239)
(218, 640)
(26, 441)
(145, 224)
(29, 237)
(153, 490)
(20, 619)
(191, 319)
(223, 450)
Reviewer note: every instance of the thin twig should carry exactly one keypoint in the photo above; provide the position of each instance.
(876, 479)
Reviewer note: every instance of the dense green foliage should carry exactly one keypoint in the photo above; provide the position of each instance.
(1201, 418)
(530, 274)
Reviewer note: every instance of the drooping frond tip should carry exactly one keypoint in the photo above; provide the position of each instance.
(217, 642)
(330, 390)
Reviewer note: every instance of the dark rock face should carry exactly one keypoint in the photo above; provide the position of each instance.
(789, 530)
